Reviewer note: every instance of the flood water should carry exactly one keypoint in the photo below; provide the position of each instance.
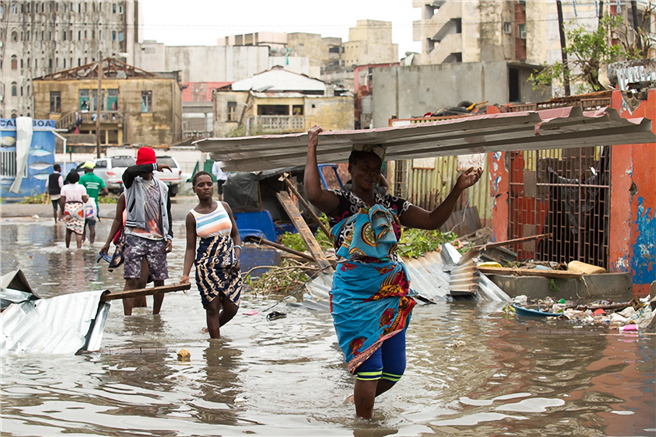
(471, 371)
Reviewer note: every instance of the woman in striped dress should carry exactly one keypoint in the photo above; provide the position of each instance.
(217, 257)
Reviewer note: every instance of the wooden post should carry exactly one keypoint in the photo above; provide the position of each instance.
(306, 205)
(144, 291)
(563, 46)
(286, 249)
(303, 229)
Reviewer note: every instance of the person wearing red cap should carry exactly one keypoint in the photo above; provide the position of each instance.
(148, 228)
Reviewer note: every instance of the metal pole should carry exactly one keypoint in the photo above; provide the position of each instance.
(100, 61)
(563, 46)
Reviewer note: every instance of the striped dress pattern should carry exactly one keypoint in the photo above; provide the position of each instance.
(216, 256)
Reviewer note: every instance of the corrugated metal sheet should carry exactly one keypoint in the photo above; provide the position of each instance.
(60, 325)
(429, 187)
(562, 127)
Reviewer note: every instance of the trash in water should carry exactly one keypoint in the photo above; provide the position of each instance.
(276, 315)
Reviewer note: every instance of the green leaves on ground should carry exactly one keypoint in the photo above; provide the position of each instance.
(283, 279)
(416, 242)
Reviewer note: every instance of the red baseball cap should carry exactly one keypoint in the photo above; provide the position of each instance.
(146, 155)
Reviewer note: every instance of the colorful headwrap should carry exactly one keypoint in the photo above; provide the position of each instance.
(371, 148)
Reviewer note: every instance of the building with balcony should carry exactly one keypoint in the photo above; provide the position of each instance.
(41, 37)
(279, 101)
(512, 30)
(136, 106)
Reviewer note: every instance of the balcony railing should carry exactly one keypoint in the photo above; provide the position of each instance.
(68, 121)
(280, 123)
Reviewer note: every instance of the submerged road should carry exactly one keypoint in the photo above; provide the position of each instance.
(180, 206)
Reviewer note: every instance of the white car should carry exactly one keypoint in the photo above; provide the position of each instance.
(110, 170)
(174, 178)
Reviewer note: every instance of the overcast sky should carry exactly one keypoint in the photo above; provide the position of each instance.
(202, 22)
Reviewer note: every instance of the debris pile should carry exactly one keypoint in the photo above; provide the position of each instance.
(635, 315)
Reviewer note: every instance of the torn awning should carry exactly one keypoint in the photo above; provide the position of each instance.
(567, 127)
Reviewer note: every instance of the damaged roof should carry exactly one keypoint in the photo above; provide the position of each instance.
(279, 80)
(567, 127)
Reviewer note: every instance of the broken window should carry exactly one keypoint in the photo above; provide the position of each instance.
(112, 99)
(273, 110)
(232, 111)
(146, 101)
(83, 99)
(55, 102)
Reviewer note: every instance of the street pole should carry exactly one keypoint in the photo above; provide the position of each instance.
(563, 46)
(98, 103)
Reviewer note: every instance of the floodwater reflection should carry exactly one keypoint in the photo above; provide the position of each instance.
(470, 371)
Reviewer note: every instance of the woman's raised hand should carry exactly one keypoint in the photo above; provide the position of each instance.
(468, 178)
(313, 135)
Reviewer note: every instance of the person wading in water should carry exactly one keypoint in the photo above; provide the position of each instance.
(369, 300)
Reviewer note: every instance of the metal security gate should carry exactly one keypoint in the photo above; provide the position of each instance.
(564, 192)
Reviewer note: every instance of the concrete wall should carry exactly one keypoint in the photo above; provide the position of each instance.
(331, 113)
(370, 42)
(161, 126)
(150, 56)
(222, 127)
(405, 92)
(483, 37)
(203, 63)
(216, 63)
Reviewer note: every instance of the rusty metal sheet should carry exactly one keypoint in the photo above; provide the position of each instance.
(567, 127)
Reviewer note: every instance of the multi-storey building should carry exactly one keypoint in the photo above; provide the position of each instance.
(509, 30)
(42, 37)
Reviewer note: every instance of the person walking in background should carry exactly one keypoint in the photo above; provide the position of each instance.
(369, 300)
(148, 227)
(73, 197)
(221, 177)
(78, 122)
(54, 184)
(95, 186)
(217, 257)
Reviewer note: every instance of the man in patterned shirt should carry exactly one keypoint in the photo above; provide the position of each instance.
(148, 228)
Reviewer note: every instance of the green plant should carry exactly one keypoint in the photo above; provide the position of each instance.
(587, 53)
(416, 242)
(35, 199)
(108, 199)
(553, 287)
(282, 279)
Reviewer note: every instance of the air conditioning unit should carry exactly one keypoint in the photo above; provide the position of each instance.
(522, 34)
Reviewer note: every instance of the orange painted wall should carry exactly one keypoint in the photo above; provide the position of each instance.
(499, 187)
(632, 242)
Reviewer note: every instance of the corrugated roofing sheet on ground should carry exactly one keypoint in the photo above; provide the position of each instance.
(567, 127)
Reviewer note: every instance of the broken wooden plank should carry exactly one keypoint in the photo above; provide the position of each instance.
(143, 291)
(553, 274)
(303, 229)
(306, 205)
(286, 249)
(513, 241)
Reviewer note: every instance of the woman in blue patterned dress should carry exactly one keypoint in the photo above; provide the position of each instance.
(370, 298)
